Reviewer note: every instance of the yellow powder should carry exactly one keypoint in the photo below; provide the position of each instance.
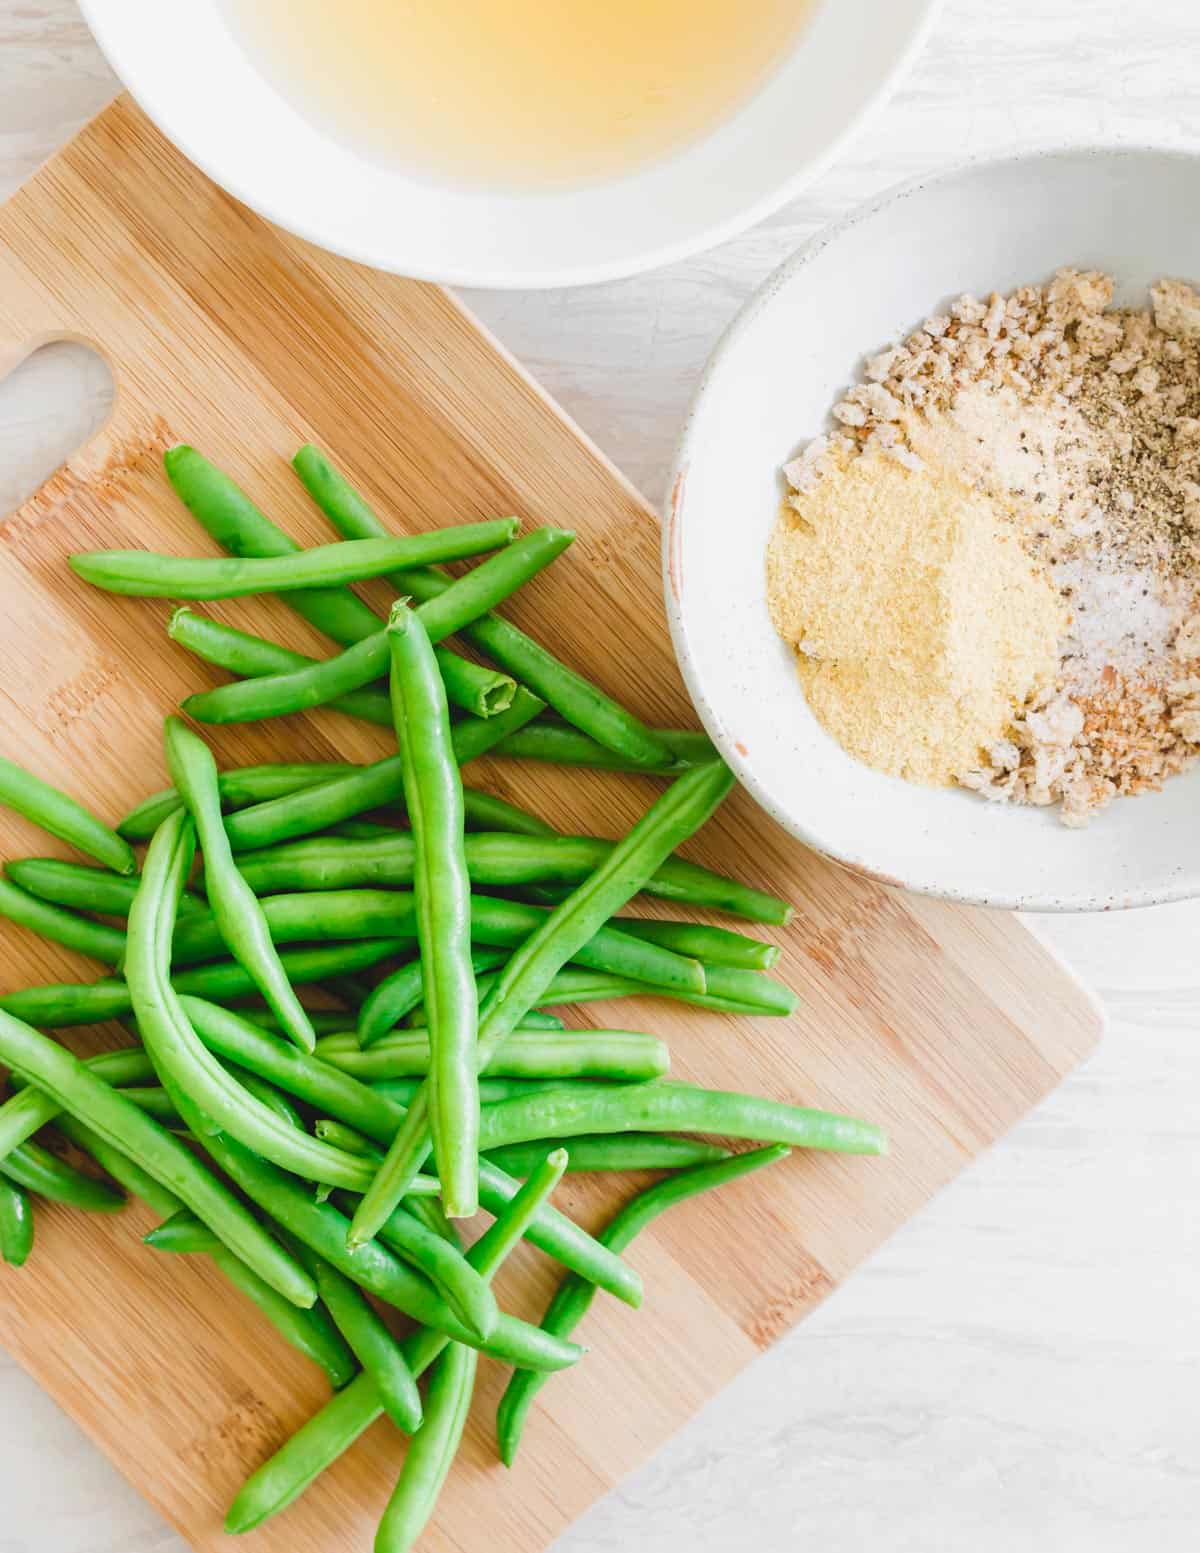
(920, 624)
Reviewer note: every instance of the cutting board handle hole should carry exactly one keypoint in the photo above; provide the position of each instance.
(51, 404)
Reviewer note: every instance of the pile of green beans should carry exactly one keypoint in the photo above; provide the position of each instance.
(343, 1017)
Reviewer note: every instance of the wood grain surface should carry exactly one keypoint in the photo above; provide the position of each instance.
(944, 1025)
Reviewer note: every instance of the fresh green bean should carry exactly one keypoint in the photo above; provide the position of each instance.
(574, 697)
(335, 914)
(699, 941)
(155, 1102)
(402, 1090)
(145, 574)
(730, 991)
(60, 1004)
(685, 806)
(267, 1094)
(611, 1151)
(309, 1331)
(469, 685)
(370, 1341)
(504, 860)
(300, 813)
(182, 1235)
(466, 1295)
(82, 887)
(558, 1054)
(672, 1107)
(31, 1109)
(68, 928)
(325, 1021)
(431, 1451)
(599, 1152)
(374, 1268)
(44, 1174)
(161, 1018)
(399, 993)
(573, 1298)
(60, 815)
(559, 745)
(442, 898)
(334, 1428)
(16, 1224)
(338, 1095)
(237, 525)
(485, 811)
(238, 916)
(319, 683)
(185, 1062)
(239, 789)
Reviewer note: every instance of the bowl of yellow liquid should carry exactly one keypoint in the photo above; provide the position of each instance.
(510, 143)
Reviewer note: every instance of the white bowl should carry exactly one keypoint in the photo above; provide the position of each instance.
(768, 387)
(187, 70)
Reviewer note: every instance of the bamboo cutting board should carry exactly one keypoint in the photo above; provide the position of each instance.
(943, 1024)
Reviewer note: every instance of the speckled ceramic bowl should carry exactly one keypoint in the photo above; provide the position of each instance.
(768, 387)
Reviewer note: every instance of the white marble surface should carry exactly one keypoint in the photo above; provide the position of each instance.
(1020, 1367)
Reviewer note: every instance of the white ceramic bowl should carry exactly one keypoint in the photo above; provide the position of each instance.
(186, 69)
(768, 387)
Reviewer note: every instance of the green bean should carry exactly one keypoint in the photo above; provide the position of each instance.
(239, 789)
(379, 1117)
(238, 916)
(161, 1019)
(325, 1021)
(671, 1107)
(43, 1173)
(237, 525)
(730, 991)
(402, 1090)
(442, 897)
(573, 1298)
(60, 1004)
(300, 813)
(685, 806)
(374, 1268)
(60, 815)
(155, 1102)
(569, 693)
(266, 1094)
(560, 1054)
(82, 887)
(334, 1428)
(61, 927)
(309, 1331)
(466, 1295)
(699, 941)
(499, 859)
(615, 1151)
(186, 1063)
(485, 811)
(16, 1224)
(319, 683)
(475, 736)
(145, 574)
(562, 746)
(400, 992)
(334, 914)
(330, 1091)
(469, 685)
(182, 1235)
(606, 1152)
(370, 1341)
(431, 1452)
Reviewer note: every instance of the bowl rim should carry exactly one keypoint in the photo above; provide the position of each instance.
(157, 108)
(675, 506)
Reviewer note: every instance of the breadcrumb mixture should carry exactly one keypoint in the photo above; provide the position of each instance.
(1083, 421)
